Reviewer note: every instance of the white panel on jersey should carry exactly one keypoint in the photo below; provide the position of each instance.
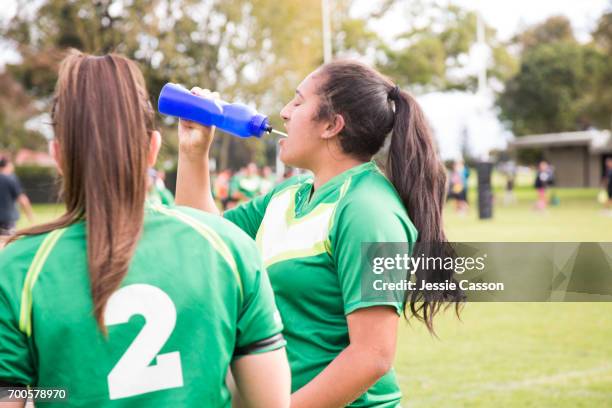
(281, 234)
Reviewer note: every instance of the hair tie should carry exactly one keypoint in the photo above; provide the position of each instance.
(394, 93)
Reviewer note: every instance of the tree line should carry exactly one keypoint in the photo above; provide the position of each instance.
(257, 51)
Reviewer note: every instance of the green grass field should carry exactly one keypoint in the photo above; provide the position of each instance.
(578, 218)
(516, 354)
(510, 354)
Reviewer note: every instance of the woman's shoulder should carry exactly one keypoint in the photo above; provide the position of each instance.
(196, 219)
(24, 246)
(372, 202)
(371, 188)
(229, 241)
(17, 256)
(211, 226)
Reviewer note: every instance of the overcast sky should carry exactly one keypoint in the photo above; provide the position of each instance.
(507, 16)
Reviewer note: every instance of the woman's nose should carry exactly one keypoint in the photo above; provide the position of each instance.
(284, 113)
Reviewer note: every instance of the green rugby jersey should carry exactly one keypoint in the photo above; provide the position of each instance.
(311, 247)
(196, 296)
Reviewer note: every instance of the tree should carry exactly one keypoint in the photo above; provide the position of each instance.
(601, 100)
(556, 86)
(250, 51)
(15, 108)
(437, 42)
(553, 29)
(423, 63)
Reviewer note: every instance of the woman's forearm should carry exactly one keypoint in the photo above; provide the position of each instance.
(348, 376)
(193, 188)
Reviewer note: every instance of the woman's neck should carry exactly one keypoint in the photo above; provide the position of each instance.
(331, 169)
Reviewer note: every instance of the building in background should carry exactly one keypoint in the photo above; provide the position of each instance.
(577, 157)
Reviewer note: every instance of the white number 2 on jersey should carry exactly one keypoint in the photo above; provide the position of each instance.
(132, 375)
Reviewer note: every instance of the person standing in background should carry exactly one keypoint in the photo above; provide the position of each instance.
(234, 188)
(157, 192)
(510, 171)
(167, 198)
(543, 180)
(249, 185)
(458, 186)
(607, 183)
(11, 193)
(221, 187)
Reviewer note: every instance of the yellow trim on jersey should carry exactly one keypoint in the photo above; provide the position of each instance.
(290, 220)
(210, 235)
(318, 248)
(25, 315)
(290, 213)
(343, 190)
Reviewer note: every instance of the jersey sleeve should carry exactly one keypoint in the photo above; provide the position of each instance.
(361, 225)
(16, 363)
(259, 323)
(248, 216)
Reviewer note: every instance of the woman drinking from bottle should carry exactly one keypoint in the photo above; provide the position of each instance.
(310, 229)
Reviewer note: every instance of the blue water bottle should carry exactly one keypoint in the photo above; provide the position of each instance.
(235, 118)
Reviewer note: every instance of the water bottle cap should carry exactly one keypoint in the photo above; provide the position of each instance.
(259, 125)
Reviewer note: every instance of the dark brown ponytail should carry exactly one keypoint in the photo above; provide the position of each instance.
(102, 122)
(414, 168)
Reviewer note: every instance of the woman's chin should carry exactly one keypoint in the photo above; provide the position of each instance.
(287, 159)
(284, 159)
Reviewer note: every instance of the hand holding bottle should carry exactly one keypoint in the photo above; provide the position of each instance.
(236, 119)
(195, 139)
(193, 187)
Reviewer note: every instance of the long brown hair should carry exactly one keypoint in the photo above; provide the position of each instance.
(102, 119)
(372, 107)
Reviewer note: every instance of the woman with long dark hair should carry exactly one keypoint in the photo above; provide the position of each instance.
(121, 303)
(310, 229)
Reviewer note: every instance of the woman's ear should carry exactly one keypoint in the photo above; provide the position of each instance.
(334, 127)
(154, 146)
(56, 152)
